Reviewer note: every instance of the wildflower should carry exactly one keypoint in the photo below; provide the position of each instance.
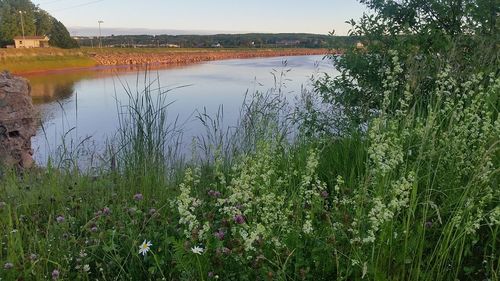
(428, 224)
(83, 254)
(55, 274)
(186, 205)
(220, 234)
(324, 194)
(197, 250)
(138, 197)
(210, 274)
(33, 257)
(86, 268)
(94, 229)
(8, 265)
(307, 228)
(106, 211)
(239, 219)
(213, 193)
(60, 219)
(145, 247)
(152, 211)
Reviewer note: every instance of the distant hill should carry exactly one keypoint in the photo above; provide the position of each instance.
(248, 40)
(36, 22)
(108, 31)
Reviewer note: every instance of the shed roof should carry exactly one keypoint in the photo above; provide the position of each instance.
(31, 38)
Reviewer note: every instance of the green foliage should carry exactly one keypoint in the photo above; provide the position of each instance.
(416, 198)
(260, 40)
(36, 22)
(412, 196)
(427, 35)
(59, 36)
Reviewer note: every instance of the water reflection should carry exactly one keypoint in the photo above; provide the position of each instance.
(83, 104)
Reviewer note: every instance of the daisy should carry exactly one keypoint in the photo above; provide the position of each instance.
(197, 250)
(145, 247)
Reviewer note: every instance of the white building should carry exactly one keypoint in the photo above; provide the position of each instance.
(31, 42)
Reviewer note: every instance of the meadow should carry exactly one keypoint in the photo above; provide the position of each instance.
(411, 195)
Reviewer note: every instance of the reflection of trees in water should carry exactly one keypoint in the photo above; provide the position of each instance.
(50, 92)
(51, 87)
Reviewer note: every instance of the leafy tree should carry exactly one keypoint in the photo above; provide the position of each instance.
(59, 36)
(43, 23)
(427, 34)
(11, 20)
(36, 22)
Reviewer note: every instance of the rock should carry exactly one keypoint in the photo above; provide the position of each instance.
(17, 121)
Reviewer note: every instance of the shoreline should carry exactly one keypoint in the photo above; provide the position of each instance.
(34, 62)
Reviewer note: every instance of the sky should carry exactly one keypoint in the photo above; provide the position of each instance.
(204, 16)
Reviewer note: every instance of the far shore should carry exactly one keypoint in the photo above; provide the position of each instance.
(37, 61)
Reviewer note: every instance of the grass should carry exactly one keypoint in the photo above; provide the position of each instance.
(27, 65)
(414, 197)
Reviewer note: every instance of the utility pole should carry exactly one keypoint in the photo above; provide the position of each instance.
(100, 35)
(22, 22)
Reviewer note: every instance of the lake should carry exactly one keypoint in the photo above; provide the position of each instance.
(78, 105)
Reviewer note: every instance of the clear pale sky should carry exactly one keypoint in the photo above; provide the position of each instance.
(311, 16)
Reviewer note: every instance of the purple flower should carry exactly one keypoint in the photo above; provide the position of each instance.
(138, 197)
(152, 211)
(210, 274)
(106, 211)
(428, 224)
(213, 193)
(55, 274)
(220, 234)
(239, 219)
(226, 251)
(324, 194)
(60, 219)
(8, 265)
(94, 229)
(33, 257)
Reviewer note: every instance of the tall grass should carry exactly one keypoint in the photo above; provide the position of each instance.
(412, 197)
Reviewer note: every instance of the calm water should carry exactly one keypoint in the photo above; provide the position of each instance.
(82, 105)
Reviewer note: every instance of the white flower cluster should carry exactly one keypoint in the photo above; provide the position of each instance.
(385, 150)
(257, 194)
(382, 212)
(392, 79)
(186, 206)
(310, 190)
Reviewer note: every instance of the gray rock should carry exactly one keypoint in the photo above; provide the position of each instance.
(18, 121)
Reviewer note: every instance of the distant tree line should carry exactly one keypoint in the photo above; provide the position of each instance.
(36, 22)
(251, 40)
